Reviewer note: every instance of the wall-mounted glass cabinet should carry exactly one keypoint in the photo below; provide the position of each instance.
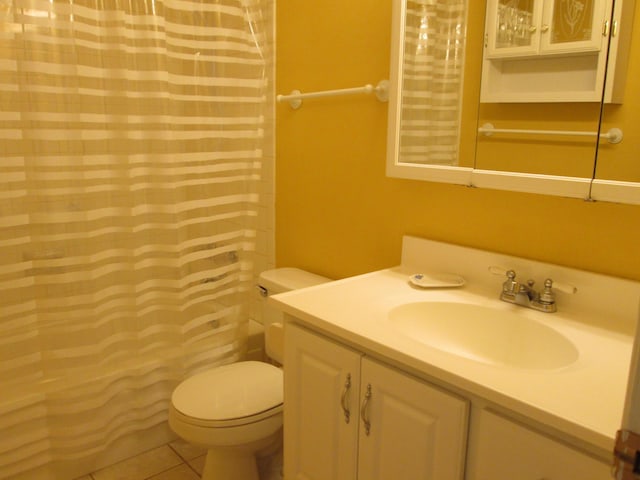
(518, 28)
(574, 25)
(512, 28)
(545, 50)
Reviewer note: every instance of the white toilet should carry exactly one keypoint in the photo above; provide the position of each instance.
(235, 411)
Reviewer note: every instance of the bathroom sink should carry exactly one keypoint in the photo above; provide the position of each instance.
(484, 334)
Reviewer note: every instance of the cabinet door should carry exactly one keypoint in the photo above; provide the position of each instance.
(573, 26)
(321, 381)
(512, 28)
(416, 431)
(500, 449)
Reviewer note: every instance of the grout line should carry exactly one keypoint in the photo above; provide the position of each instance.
(193, 469)
(164, 471)
(176, 452)
(180, 458)
(186, 461)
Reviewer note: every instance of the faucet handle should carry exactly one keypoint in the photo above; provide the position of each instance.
(547, 295)
(563, 287)
(509, 273)
(499, 270)
(510, 285)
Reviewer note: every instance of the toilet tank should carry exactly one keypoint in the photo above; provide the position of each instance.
(280, 280)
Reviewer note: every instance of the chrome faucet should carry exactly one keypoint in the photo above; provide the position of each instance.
(527, 296)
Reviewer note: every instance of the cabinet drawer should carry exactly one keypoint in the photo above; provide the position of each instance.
(500, 449)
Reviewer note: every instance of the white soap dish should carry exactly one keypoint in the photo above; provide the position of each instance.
(436, 280)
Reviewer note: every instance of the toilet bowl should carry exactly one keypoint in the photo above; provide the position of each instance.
(235, 410)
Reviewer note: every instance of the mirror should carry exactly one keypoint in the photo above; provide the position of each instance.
(543, 71)
(429, 47)
(520, 91)
(617, 175)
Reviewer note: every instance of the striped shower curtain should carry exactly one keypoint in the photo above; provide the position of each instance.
(432, 76)
(132, 139)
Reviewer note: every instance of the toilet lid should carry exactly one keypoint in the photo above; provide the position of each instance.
(231, 391)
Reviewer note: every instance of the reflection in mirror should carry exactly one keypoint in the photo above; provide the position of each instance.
(544, 68)
(618, 164)
(544, 75)
(433, 106)
(431, 83)
(539, 154)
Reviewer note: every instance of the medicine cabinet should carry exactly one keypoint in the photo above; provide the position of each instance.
(542, 27)
(519, 71)
(545, 50)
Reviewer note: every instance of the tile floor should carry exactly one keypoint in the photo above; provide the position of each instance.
(175, 461)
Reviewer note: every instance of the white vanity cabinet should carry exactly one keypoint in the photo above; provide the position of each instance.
(501, 449)
(542, 27)
(436, 412)
(350, 417)
(321, 384)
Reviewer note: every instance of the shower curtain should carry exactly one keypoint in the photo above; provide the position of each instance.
(133, 136)
(432, 80)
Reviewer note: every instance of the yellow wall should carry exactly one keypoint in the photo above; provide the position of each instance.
(338, 214)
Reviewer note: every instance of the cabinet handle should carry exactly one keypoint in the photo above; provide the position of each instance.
(344, 400)
(545, 28)
(605, 28)
(364, 411)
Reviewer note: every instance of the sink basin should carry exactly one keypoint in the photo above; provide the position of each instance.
(484, 334)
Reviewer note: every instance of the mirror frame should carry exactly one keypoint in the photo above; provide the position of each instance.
(587, 188)
(433, 173)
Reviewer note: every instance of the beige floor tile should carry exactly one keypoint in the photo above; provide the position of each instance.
(186, 450)
(181, 472)
(141, 467)
(198, 463)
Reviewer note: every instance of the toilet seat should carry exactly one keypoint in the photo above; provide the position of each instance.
(236, 422)
(244, 393)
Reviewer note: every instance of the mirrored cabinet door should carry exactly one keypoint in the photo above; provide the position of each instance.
(520, 28)
(562, 59)
(512, 27)
(573, 26)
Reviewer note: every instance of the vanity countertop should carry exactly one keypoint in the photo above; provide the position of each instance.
(584, 399)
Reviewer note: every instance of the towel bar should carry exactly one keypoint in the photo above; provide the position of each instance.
(295, 97)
